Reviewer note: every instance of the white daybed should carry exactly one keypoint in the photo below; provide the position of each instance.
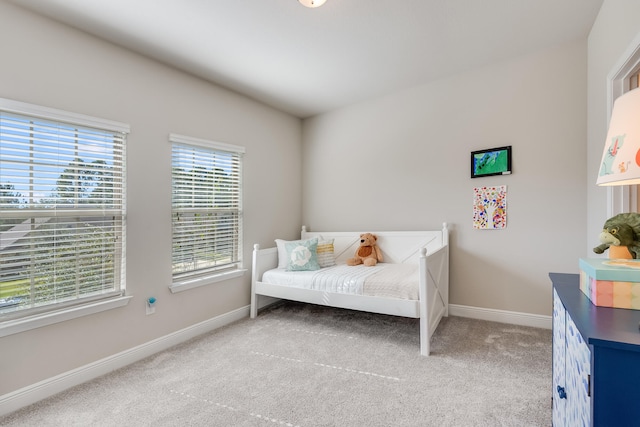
(429, 250)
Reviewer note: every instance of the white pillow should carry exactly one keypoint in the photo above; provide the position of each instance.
(326, 256)
(283, 258)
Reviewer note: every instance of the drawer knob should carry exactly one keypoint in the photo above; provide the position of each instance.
(562, 393)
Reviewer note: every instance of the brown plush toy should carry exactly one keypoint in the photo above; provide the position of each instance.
(368, 253)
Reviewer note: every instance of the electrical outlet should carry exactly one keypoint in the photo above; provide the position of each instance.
(151, 306)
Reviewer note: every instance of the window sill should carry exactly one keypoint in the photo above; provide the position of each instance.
(196, 283)
(45, 319)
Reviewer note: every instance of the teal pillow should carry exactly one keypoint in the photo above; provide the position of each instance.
(302, 255)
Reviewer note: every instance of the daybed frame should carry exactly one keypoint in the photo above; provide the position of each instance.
(430, 249)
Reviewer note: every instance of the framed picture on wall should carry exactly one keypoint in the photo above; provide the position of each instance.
(492, 161)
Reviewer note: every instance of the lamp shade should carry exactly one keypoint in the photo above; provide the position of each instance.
(621, 157)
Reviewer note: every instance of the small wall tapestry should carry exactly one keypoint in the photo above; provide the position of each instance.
(490, 207)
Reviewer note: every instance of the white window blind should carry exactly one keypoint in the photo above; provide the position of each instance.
(206, 208)
(62, 209)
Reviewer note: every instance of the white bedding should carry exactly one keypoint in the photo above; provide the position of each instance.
(382, 280)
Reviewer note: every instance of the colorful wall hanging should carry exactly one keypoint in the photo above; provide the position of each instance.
(490, 208)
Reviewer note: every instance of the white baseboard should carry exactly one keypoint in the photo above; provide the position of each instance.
(15, 400)
(502, 316)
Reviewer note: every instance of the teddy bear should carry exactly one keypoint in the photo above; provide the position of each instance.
(619, 232)
(368, 253)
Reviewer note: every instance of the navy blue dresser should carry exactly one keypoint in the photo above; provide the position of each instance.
(596, 360)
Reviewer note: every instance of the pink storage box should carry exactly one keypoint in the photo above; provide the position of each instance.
(611, 282)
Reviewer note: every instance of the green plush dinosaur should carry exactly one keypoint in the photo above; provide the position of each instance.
(621, 230)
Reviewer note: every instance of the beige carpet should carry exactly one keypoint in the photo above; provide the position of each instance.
(304, 365)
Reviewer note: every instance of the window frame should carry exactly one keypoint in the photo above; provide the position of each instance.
(19, 321)
(195, 280)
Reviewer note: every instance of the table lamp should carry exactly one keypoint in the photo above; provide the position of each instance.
(621, 157)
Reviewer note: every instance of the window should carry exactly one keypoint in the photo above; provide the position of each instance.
(206, 211)
(634, 81)
(62, 210)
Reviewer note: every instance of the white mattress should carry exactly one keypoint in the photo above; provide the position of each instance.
(382, 280)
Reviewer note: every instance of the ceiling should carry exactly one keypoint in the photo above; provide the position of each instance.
(309, 61)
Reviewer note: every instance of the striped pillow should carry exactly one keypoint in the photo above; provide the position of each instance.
(326, 257)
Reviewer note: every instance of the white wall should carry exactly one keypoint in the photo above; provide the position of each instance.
(399, 162)
(616, 26)
(52, 65)
(402, 162)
